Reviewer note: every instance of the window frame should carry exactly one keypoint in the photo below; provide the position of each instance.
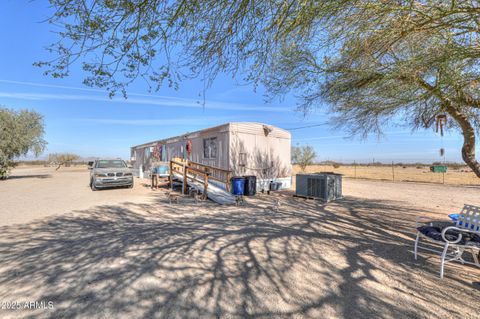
(208, 151)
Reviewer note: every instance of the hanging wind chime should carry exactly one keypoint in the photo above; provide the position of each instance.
(440, 124)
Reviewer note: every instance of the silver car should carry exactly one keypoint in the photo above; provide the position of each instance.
(110, 173)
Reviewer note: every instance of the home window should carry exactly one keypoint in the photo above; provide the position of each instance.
(210, 147)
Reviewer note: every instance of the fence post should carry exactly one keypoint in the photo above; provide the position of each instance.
(355, 169)
(393, 172)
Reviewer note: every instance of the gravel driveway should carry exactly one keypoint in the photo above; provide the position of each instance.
(40, 192)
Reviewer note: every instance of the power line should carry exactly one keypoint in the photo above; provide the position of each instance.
(308, 126)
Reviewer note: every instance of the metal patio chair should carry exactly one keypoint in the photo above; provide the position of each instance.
(458, 237)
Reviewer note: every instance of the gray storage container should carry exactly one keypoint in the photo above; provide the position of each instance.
(324, 186)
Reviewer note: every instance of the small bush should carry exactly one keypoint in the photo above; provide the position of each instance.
(303, 156)
(60, 159)
(456, 166)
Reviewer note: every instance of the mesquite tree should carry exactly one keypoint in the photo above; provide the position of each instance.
(374, 63)
(20, 132)
(59, 159)
(303, 156)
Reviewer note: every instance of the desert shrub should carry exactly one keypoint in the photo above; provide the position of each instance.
(456, 166)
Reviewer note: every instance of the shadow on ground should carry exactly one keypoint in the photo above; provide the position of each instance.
(348, 259)
(30, 176)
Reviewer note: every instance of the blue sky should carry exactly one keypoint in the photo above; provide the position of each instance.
(85, 121)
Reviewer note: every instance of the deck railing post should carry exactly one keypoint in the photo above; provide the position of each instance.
(227, 182)
(205, 183)
(185, 169)
(170, 177)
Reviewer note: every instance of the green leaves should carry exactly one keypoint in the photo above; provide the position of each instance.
(20, 132)
(379, 52)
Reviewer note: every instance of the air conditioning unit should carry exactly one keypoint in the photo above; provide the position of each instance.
(323, 186)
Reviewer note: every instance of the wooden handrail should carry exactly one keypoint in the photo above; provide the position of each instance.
(197, 170)
(184, 167)
(178, 163)
(211, 167)
(191, 164)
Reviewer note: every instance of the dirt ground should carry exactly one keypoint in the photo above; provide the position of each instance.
(461, 176)
(39, 192)
(127, 253)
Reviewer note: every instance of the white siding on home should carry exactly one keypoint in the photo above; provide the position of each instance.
(258, 129)
(267, 156)
(265, 149)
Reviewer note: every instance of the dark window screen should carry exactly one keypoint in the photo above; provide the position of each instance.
(210, 147)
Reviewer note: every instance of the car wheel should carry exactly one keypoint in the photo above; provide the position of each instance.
(92, 186)
(131, 185)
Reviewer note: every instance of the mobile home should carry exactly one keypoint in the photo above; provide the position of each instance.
(245, 148)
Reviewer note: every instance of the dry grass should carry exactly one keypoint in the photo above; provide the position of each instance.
(398, 173)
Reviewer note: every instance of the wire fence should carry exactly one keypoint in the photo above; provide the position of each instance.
(455, 174)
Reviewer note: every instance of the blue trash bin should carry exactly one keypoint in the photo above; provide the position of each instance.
(238, 184)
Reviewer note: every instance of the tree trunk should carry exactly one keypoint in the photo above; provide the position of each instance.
(468, 149)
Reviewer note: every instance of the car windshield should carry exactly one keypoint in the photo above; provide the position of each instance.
(111, 164)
